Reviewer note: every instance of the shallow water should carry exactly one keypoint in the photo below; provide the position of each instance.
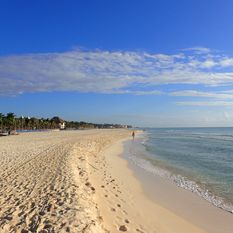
(197, 159)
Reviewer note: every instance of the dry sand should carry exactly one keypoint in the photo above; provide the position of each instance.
(44, 181)
(75, 181)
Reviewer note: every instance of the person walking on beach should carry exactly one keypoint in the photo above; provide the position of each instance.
(133, 135)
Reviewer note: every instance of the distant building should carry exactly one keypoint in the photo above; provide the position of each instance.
(61, 123)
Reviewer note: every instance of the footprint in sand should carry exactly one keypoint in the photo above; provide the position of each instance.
(125, 212)
(123, 228)
(138, 230)
(88, 184)
(126, 221)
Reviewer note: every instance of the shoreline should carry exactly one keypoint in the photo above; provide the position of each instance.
(180, 201)
(123, 203)
(82, 182)
(185, 180)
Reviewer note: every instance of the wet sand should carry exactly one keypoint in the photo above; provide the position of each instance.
(124, 205)
(184, 203)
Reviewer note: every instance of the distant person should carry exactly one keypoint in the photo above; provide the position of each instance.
(133, 135)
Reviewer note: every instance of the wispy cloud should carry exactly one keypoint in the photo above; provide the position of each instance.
(226, 62)
(112, 71)
(198, 50)
(206, 103)
(202, 94)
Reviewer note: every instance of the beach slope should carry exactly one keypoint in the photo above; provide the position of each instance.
(75, 181)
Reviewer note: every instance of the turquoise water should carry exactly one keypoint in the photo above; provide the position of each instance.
(197, 159)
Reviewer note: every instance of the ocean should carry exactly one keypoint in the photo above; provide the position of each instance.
(196, 159)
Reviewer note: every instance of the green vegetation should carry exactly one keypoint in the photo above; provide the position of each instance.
(11, 122)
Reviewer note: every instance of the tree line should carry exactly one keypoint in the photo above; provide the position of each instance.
(11, 122)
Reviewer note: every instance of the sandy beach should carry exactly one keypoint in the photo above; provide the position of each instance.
(124, 204)
(77, 181)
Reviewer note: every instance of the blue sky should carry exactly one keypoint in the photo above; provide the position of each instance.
(146, 63)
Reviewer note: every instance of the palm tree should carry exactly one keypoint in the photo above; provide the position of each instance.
(21, 122)
(33, 123)
(10, 118)
(1, 120)
(27, 122)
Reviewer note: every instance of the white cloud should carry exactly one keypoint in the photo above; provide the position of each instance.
(226, 62)
(208, 64)
(194, 93)
(205, 103)
(111, 72)
(227, 116)
(154, 92)
(198, 50)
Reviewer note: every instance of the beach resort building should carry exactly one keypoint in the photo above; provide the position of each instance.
(60, 122)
